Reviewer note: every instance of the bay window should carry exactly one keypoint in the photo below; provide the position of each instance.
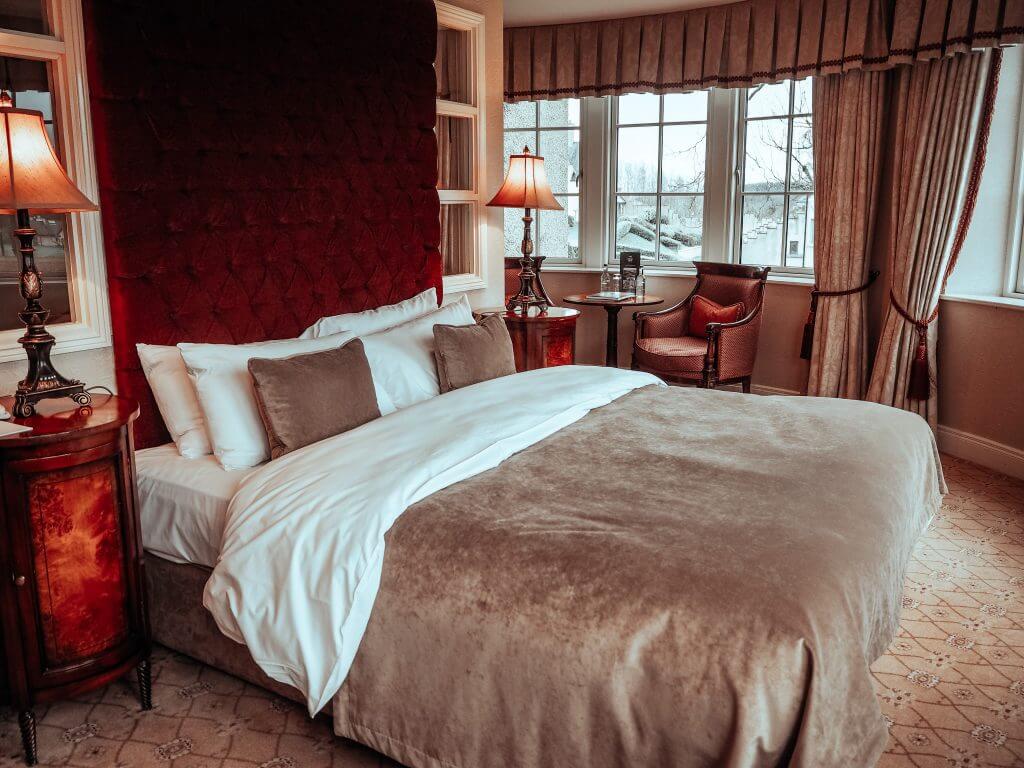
(718, 175)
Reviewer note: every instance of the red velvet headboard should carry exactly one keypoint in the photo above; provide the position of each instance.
(260, 165)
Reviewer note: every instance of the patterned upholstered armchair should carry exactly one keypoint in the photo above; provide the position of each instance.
(662, 344)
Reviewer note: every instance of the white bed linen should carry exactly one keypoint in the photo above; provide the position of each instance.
(183, 503)
(303, 547)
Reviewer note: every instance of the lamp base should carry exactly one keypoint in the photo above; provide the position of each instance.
(43, 380)
(526, 296)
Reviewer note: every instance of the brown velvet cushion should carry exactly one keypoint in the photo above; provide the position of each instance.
(468, 354)
(307, 398)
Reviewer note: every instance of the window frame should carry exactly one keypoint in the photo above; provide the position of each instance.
(722, 189)
(658, 194)
(63, 50)
(1013, 279)
(536, 132)
(473, 24)
(787, 194)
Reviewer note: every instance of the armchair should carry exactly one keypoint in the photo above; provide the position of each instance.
(662, 346)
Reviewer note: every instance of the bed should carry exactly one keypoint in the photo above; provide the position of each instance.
(646, 576)
(628, 578)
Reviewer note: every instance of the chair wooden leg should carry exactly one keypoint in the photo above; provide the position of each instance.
(27, 723)
(144, 673)
(746, 385)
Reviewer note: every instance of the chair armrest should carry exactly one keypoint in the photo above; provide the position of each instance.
(666, 323)
(734, 345)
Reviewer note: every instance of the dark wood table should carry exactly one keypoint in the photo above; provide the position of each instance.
(611, 349)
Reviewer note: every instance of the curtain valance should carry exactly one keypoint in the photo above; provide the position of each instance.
(754, 41)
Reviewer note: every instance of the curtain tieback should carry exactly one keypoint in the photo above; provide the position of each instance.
(808, 340)
(920, 385)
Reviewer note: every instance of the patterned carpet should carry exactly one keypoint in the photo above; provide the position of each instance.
(951, 686)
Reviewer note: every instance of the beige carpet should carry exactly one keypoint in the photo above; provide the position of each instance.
(951, 686)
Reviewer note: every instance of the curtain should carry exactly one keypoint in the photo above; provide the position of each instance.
(849, 120)
(743, 43)
(451, 65)
(942, 111)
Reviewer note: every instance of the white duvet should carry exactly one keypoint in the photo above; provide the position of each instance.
(303, 547)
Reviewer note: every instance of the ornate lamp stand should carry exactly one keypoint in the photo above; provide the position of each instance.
(43, 380)
(32, 179)
(526, 186)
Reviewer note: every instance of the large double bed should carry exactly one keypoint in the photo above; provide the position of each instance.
(625, 574)
(566, 567)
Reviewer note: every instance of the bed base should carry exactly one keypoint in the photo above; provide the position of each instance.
(181, 623)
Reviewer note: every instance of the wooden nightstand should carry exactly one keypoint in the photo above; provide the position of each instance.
(72, 588)
(540, 339)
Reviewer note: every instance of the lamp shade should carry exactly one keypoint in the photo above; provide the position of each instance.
(526, 184)
(31, 176)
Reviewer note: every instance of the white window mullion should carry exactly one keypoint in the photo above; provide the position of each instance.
(722, 175)
(594, 130)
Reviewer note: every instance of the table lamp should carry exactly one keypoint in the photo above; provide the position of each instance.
(526, 186)
(32, 179)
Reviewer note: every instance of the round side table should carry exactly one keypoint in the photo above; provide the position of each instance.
(611, 348)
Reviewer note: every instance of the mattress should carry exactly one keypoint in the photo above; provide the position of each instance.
(183, 503)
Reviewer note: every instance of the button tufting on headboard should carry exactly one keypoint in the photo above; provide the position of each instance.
(260, 165)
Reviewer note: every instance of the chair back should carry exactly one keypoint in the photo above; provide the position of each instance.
(727, 284)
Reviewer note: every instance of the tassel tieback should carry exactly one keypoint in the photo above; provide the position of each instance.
(920, 385)
(808, 339)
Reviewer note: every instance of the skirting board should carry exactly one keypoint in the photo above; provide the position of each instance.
(981, 450)
(963, 445)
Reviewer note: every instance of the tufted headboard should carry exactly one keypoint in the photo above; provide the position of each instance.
(260, 165)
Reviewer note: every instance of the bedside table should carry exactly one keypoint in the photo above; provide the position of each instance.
(540, 339)
(72, 588)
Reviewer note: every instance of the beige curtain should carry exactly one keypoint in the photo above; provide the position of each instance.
(742, 43)
(849, 120)
(942, 111)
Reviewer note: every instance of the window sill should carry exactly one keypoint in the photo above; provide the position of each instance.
(71, 337)
(462, 283)
(1003, 302)
(779, 278)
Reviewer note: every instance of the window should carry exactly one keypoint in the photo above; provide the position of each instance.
(777, 200)
(44, 64)
(550, 129)
(716, 175)
(1013, 279)
(661, 159)
(459, 130)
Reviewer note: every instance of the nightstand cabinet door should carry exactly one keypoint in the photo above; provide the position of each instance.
(543, 339)
(71, 568)
(72, 599)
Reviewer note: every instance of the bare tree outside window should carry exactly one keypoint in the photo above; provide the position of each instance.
(777, 210)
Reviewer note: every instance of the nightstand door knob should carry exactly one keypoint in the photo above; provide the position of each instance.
(19, 581)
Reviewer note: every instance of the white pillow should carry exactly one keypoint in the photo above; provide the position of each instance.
(402, 358)
(373, 320)
(220, 373)
(176, 398)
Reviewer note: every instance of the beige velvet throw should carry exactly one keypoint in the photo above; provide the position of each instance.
(942, 112)
(849, 118)
(739, 44)
(684, 577)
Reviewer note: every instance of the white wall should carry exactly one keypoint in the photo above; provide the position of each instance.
(93, 367)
